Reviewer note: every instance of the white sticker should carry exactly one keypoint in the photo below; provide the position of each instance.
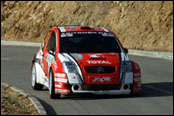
(67, 34)
(101, 79)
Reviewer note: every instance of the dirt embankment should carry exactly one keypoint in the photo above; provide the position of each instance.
(139, 25)
(13, 103)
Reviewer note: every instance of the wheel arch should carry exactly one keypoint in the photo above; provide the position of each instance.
(136, 87)
(37, 61)
(52, 68)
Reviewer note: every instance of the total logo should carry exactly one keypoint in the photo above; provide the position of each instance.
(98, 62)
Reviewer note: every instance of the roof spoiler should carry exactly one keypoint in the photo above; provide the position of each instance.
(64, 26)
(85, 27)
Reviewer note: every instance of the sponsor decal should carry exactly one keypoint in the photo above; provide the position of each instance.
(70, 34)
(60, 90)
(102, 79)
(62, 29)
(60, 75)
(95, 56)
(58, 85)
(137, 74)
(98, 62)
(61, 80)
(104, 34)
(85, 32)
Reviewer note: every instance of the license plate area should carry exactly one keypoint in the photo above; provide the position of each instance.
(101, 80)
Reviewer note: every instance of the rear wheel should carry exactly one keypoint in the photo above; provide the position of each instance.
(52, 86)
(34, 84)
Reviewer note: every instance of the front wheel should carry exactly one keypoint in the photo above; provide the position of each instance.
(34, 84)
(52, 86)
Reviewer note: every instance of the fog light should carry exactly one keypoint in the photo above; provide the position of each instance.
(76, 87)
(126, 86)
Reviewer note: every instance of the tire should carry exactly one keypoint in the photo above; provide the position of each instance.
(34, 84)
(51, 86)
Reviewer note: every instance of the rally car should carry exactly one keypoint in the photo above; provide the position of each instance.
(83, 59)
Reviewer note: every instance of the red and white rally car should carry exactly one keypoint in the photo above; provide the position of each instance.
(82, 59)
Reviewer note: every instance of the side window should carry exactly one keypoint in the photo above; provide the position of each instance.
(52, 42)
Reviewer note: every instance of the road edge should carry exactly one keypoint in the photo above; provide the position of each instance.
(39, 107)
(153, 54)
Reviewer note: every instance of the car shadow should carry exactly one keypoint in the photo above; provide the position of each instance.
(49, 109)
(160, 89)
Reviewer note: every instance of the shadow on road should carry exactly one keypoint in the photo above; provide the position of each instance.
(157, 89)
(160, 89)
(49, 109)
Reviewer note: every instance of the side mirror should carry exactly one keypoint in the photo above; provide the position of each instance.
(125, 50)
(51, 52)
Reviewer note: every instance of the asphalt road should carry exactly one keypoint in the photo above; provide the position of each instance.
(156, 97)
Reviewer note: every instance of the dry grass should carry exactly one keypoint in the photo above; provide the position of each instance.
(143, 25)
(13, 103)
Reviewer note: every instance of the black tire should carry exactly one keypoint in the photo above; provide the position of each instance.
(51, 86)
(34, 84)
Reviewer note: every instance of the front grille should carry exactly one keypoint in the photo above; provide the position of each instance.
(100, 87)
(99, 69)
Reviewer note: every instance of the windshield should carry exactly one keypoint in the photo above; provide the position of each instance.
(88, 42)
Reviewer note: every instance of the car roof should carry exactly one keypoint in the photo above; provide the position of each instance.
(76, 28)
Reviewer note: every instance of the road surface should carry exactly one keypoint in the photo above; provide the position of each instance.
(156, 96)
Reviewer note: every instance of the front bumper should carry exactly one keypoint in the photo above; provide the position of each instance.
(101, 92)
(78, 89)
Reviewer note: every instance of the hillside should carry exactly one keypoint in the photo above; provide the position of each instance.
(139, 25)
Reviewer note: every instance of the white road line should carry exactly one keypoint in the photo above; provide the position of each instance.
(5, 58)
(151, 87)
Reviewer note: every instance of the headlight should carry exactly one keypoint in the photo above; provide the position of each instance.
(69, 67)
(127, 66)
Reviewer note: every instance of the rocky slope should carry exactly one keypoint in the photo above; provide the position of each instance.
(139, 25)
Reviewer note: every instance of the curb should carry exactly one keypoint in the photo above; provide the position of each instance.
(33, 99)
(153, 54)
